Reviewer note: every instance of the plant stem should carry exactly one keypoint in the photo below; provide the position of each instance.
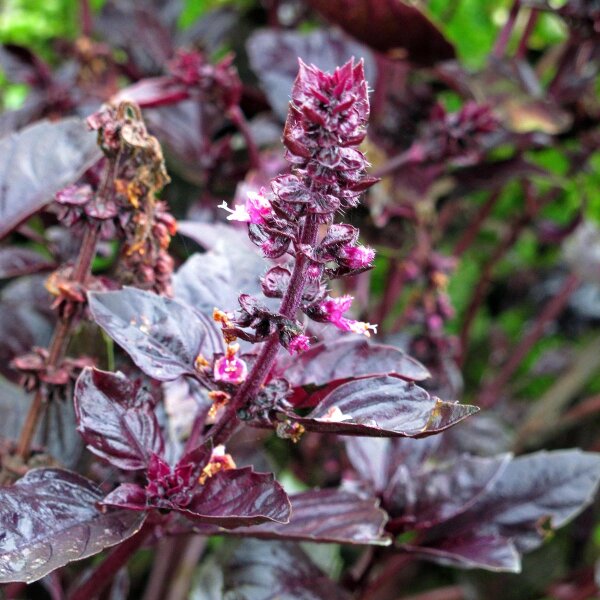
(531, 23)
(504, 35)
(474, 227)
(553, 308)
(101, 577)
(182, 579)
(59, 343)
(450, 592)
(221, 432)
(239, 120)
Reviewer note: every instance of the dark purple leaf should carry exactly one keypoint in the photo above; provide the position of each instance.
(127, 495)
(274, 58)
(383, 407)
(473, 551)
(216, 278)
(535, 493)
(38, 161)
(116, 418)
(16, 261)
(259, 570)
(390, 26)
(348, 358)
(49, 518)
(448, 490)
(239, 497)
(335, 516)
(162, 336)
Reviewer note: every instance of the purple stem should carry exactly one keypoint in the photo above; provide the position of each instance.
(504, 36)
(221, 432)
(239, 120)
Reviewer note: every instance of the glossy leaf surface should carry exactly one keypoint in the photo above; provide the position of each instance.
(49, 518)
(346, 358)
(383, 407)
(15, 262)
(116, 418)
(239, 497)
(38, 161)
(259, 570)
(390, 26)
(162, 336)
(335, 516)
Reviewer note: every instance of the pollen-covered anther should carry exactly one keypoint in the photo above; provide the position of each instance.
(219, 399)
(222, 317)
(200, 362)
(219, 461)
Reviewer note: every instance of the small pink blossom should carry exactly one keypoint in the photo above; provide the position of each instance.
(358, 257)
(299, 344)
(334, 309)
(229, 368)
(256, 209)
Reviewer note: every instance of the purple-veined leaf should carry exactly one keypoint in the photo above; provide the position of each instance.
(274, 58)
(116, 418)
(49, 518)
(383, 407)
(259, 570)
(239, 497)
(127, 495)
(391, 26)
(334, 516)
(216, 278)
(473, 551)
(38, 161)
(162, 336)
(16, 261)
(348, 358)
(534, 493)
(447, 490)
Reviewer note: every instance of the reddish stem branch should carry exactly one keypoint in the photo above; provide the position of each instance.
(505, 32)
(59, 343)
(101, 577)
(225, 427)
(239, 120)
(484, 282)
(553, 308)
(470, 234)
(450, 592)
(531, 23)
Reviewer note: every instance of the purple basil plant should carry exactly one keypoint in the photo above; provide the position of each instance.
(291, 359)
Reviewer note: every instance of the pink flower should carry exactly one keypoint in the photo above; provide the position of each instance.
(256, 209)
(229, 368)
(334, 309)
(300, 343)
(357, 257)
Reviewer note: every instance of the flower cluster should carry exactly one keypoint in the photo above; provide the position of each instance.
(326, 123)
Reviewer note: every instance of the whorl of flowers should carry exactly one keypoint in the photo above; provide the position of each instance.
(326, 123)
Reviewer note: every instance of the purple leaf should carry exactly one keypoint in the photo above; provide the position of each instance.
(473, 551)
(38, 161)
(446, 491)
(239, 497)
(348, 358)
(116, 418)
(49, 518)
(259, 570)
(274, 58)
(127, 495)
(335, 516)
(216, 278)
(16, 261)
(389, 26)
(162, 336)
(383, 407)
(535, 493)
